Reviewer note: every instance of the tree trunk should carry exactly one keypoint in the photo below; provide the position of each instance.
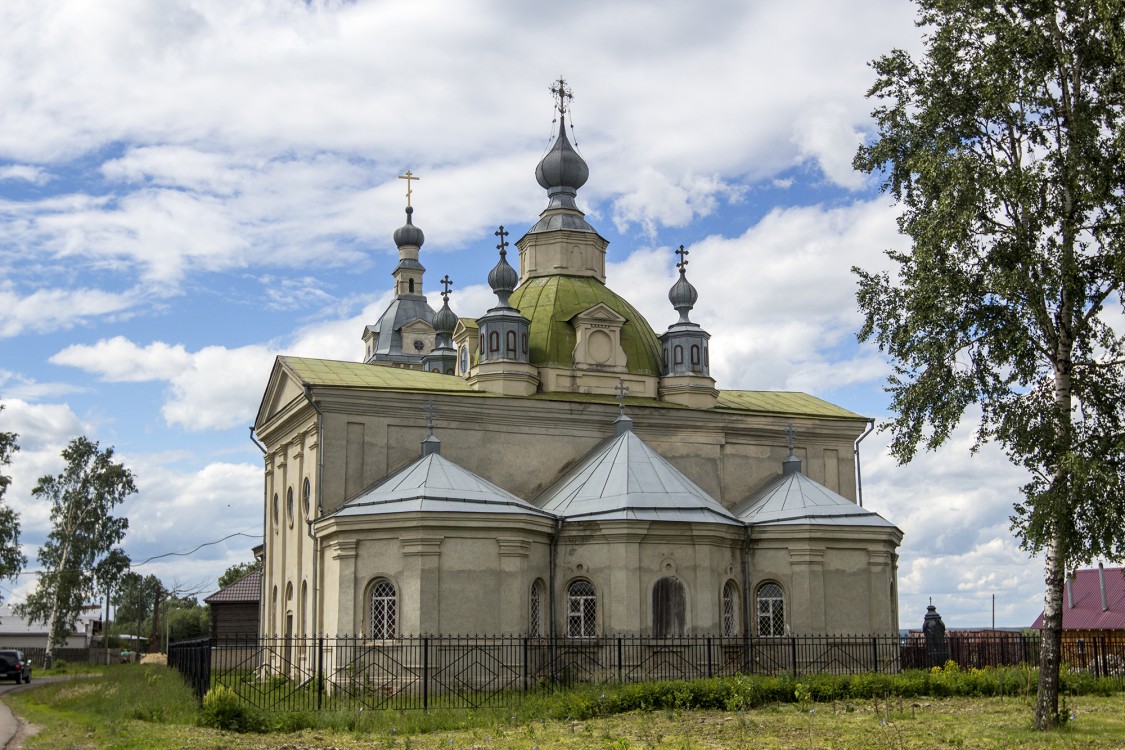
(1047, 703)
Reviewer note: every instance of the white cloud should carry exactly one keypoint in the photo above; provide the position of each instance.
(828, 136)
(24, 173)
(51, 309)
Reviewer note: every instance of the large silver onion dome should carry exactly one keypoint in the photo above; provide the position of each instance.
(562, 166)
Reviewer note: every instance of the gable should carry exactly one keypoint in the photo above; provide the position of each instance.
(283, 389)
(600, 313)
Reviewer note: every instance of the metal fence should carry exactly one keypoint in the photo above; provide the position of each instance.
(37, 655)
(349, 673)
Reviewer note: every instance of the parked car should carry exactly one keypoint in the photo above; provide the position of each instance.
(13, 666)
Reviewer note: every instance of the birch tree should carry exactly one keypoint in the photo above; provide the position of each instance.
(1002, 144)
(83, 532)
(12, 558)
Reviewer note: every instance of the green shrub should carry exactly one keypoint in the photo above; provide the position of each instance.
(223, 709)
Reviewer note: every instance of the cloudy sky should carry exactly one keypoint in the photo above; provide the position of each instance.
(190, 187)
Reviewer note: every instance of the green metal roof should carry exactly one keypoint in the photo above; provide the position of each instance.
(783, 402)
(333, 373)
(359, 375)
(549, 302)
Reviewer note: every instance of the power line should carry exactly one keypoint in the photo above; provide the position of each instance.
(196, 549)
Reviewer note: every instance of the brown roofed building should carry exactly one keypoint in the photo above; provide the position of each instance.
(234, 608)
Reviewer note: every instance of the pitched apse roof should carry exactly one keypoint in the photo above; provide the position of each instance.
(793, 498)
(624, 479)
(339, 374)
(1086, 597)
(245, 589)
(435, 484)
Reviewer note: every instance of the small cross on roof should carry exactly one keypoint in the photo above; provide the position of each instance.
(409, 177)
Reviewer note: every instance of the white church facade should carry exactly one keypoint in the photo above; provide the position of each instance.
(554, 467)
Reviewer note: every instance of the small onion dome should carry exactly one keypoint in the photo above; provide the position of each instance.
(408, 234)
(562, 166)
(682, 295)
(445, 320)
(503, 279)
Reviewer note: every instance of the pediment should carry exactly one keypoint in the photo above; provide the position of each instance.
(283, 389)
(417, 326)
(600, 313)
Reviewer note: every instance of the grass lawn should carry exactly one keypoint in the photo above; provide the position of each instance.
(148, 707)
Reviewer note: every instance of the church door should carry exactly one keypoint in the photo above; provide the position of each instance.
(668, 606)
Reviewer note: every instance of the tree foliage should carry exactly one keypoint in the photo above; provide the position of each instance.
(83, 532)
(1003, 146)
(12, 558)
(234, 572)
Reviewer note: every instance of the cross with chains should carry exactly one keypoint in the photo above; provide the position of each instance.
(562, 94)
(503, 242)
(409, 177)
(430, 410)
(683, 258)
(621, 389)
(445, 283)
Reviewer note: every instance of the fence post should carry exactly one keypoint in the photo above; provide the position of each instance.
(1104, 660)
(875, 653)
(425, 674)
(710, 669)
(526, 659)
(620, 660)
(320, 672)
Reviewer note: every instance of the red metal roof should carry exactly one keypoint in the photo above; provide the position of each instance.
(1086, 596)
(245, 589)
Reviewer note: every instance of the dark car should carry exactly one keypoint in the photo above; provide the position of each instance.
(13, 666)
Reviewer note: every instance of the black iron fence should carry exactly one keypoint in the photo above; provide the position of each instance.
(349, 673)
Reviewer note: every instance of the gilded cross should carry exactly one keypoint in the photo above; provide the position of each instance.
(445, 283)
(562, 94)
(501, 233)
(430, 410)
(409, 177)
(621, 389)
(682, 265)
(791, 434)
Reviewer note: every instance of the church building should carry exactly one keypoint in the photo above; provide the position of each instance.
(556, 467)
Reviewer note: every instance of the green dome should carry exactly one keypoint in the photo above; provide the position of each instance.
(549, 302)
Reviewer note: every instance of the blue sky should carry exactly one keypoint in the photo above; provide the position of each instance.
(189, 188)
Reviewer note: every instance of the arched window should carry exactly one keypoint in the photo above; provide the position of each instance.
(480, 347)
(668, 605)
(410, 286)
(665, 357)
(523, 342)
(449, 371)
(381, 609)
(581, 610)
(678, 355)
(510, 344)
(306, 496)
(695, 355)
(706, 362)
(289, 504)
(493, 342)
(304, 607)
(276, 511)
(273, 609)
(771, 610)
(535, 619)
(730, 609)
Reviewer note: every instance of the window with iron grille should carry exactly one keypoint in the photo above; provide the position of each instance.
(381, 600)
(730, 609)
(535, 622)
(771, 610)
(582, 610)
(668, 605)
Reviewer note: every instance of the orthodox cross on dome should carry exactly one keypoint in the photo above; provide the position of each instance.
(409, 177)
(682, 265)
(562, 94)
(445, 284)
(621, 389)
(430, 410)
(501, 233)
(791, 434)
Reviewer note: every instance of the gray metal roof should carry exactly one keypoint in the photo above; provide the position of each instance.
(436, 484)
(401, 311)
(796, 499)
(624, 479)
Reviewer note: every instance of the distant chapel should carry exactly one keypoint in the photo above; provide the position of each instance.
(555, 466)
